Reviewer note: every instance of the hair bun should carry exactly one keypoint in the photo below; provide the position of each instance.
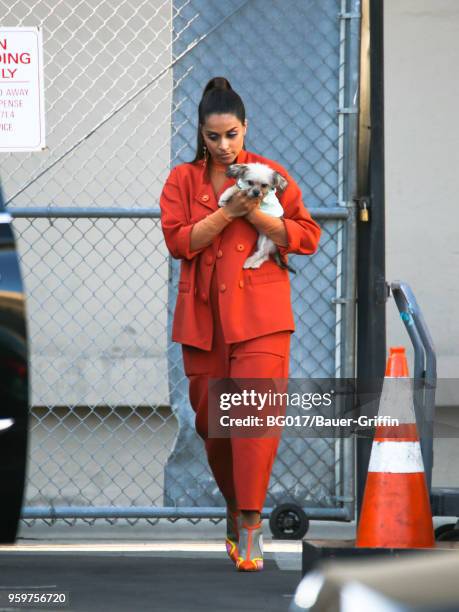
(217, 83)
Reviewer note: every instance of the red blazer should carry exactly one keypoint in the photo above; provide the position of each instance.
(252, 302)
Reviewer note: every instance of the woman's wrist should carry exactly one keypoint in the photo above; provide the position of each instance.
(205, 230)
(273, 227)
(226, 214)
(253, 215)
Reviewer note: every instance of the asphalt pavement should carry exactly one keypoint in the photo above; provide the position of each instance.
(163, 567)
(166, 567)
(127, 581)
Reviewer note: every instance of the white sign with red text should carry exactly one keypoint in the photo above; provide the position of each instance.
(22, 103)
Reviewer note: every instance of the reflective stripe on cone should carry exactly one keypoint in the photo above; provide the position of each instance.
(396, 507)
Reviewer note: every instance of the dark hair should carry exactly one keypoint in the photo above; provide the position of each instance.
(218, 97)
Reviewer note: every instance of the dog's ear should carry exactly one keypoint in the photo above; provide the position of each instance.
(279, 181)
(236, 170)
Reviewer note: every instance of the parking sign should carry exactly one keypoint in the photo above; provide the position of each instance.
(22, 108)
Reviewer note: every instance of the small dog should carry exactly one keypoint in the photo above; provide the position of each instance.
(256, 179)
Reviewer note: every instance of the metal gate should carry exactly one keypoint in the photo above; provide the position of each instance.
(112, 429)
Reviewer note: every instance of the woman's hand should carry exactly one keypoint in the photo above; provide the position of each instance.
(240, 204)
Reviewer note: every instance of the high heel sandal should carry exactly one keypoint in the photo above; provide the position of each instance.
(232, 535)
(250, 546)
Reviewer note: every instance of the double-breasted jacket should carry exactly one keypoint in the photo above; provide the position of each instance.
(252, 302)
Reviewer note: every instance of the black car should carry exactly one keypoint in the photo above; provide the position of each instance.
(14, 387)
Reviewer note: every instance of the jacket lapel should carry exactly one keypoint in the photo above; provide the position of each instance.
(205, 198)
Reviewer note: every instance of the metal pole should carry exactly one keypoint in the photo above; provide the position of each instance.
(371, 292)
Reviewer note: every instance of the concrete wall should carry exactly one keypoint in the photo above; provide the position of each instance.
(422, 160)
(97, 289)
(422, 185)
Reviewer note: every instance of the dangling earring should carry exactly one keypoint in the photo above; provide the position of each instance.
(204, 149)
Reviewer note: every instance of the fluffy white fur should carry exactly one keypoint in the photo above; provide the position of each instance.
(257, 179)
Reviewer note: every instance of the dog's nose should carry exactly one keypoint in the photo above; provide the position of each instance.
(256, 192)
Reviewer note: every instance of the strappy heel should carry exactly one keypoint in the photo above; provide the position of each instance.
(250, 557)
(232, 535)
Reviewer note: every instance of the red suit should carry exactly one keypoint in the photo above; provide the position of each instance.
(232, 322)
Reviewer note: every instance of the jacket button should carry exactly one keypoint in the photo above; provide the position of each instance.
(219, 253)
(209, 260)
(241, 283)
(223, 287)
(240, 247)
(205, 197)
(204, 297)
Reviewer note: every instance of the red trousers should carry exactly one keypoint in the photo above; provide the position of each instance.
(241, 466)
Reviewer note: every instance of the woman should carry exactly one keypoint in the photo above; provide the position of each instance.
(231, 322)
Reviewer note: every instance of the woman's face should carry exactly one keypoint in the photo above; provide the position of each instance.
(223, 136)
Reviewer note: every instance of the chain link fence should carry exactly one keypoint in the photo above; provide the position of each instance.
(112, 433)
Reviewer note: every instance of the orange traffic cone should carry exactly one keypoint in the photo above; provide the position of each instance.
(397, 365)
(396, 508)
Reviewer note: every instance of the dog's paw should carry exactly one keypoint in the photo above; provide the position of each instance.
(226, 196)
(252, 262)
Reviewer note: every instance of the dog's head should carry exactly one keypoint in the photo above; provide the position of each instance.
(259, 178)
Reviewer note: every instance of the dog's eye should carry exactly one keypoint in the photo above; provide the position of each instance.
(250, 183)
(264, 185)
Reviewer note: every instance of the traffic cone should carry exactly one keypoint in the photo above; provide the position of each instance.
(397, 364)
(396, 508)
